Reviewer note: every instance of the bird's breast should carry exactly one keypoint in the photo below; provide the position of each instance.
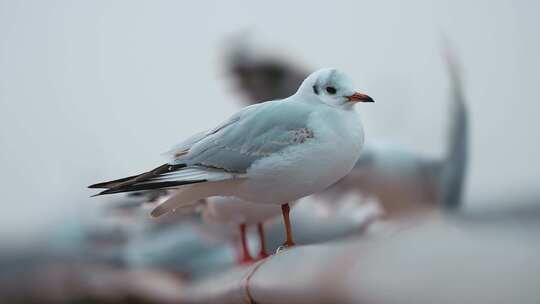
(311, 166)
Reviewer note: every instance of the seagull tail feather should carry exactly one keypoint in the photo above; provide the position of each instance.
(150, 180)
(149, 186)
(111, 184)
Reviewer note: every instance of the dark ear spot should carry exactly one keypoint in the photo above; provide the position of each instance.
(315, 90)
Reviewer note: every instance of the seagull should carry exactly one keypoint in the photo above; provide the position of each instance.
(269, 153)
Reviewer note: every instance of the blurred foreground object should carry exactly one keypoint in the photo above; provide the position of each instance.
(404, 181)
(453, 259)
(74, 257)
(483, 256)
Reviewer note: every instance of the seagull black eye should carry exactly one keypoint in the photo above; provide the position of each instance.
(331, 90)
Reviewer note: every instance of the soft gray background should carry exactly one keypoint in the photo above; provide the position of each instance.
(92, 90)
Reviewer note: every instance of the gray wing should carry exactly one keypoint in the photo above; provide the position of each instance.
(253, 133)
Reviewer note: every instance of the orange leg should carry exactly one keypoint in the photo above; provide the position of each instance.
(262, 246)
(285, 210)
(246, 257)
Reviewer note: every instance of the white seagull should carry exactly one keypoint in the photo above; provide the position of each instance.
(270, 153)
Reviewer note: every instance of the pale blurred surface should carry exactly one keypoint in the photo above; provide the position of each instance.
(436, 260)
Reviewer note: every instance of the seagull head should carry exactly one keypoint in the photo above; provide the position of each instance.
(332, 87)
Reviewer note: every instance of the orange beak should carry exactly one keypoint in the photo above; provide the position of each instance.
(359, 97)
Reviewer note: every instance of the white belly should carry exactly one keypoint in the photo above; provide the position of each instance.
(306, 168)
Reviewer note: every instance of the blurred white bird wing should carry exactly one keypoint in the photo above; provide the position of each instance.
(253, 133)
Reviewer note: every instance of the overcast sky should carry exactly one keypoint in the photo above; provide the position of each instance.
(92, 90)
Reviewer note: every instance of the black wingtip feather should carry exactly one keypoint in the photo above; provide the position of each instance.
(150, 186)
(136, 178)
(112, 183)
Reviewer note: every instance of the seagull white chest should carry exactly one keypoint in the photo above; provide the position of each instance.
(330, 152)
